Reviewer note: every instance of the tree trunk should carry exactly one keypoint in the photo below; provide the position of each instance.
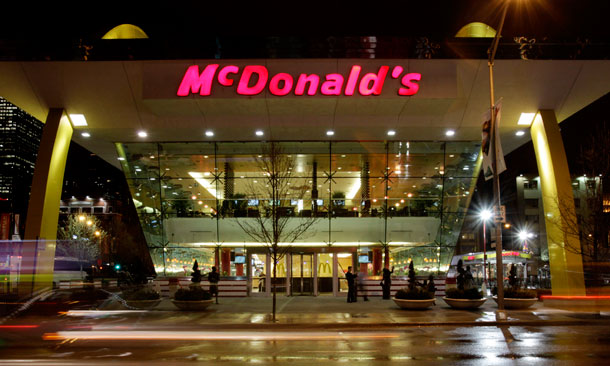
(274, 283)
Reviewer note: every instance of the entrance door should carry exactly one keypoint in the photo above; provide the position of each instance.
(302, 274)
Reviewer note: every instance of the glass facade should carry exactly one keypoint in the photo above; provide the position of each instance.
(410, 196)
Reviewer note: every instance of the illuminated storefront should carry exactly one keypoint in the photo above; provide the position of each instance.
(390, 147)
(409, 195)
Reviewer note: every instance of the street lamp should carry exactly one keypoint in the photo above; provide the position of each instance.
(523, 236)
(484, 216)
(500, 315)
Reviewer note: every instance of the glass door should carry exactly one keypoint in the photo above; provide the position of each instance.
(257, 275)
(302, 274)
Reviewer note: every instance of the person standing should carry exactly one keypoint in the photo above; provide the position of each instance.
(351, 285)
(213, 278)
(386, 282)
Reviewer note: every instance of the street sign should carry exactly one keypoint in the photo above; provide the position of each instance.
(500, 216)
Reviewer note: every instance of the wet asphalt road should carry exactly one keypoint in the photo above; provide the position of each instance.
(127, 340)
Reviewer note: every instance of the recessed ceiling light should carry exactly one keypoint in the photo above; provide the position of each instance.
(259, 133)
(330, 133)
(78, 120)
(209, 133)
(449, 133)
(85, 134)
(142, 134)
(520, 133)
(391, 133)
(526, 119)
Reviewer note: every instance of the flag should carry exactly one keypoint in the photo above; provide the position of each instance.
(488, 144)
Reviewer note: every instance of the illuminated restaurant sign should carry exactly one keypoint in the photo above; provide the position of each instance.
(254, 79)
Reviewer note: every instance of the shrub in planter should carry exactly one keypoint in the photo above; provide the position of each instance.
(192, 293)
(519, 293)
(415, 293)
(88, 295)
(141, 293)
(196, 275)
(470, 294)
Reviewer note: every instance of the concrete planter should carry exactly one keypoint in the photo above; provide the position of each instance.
(414, 304)
(514, 303)
(143, 304)
(464, 303)
(192, 305)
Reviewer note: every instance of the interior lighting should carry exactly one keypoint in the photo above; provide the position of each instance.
(526, 119)
(121, 158)
(209, 133)
(142, 134)
(85, 134)
(449, 133)
(330, 133)
(391, 133)
(410, 195)
(194, 197)
(78, 120)
(520, 133)
(259, 133)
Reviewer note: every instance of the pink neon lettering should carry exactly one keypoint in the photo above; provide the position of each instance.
(192, 82)
(377, 79)
(244, 87)
(274, 84)
(409, 83)
(352, 80)
(313, 80)
(253, 80)
(332, 85)
(222, 75)
(396, 71)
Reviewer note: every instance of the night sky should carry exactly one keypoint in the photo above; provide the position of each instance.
(556, 19)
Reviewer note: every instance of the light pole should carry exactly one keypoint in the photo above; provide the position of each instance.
(500, 315)
(485, 215)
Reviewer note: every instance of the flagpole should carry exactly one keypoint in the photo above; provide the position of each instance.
(500, 315)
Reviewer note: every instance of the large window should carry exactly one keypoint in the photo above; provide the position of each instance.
(409, 195)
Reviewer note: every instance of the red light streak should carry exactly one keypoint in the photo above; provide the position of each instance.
(591, 297)
(18, 326)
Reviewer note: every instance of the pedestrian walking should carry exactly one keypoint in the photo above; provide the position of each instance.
(213, 278)
(361, 287)
(351, 285)
(386, 282)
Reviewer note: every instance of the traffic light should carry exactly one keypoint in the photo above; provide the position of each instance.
(117, 266)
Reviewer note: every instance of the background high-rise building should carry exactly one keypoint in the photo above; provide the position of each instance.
(20, 135)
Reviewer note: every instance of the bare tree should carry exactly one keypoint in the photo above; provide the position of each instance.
(276, 228)
(590, 227)
(80, 237)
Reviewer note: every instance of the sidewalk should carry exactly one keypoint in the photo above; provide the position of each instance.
(331, 312)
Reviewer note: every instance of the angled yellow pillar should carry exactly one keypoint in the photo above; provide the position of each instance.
(43, 208)
(567, 277)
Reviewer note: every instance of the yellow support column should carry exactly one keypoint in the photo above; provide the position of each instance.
(43, 208)
(567, 277)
